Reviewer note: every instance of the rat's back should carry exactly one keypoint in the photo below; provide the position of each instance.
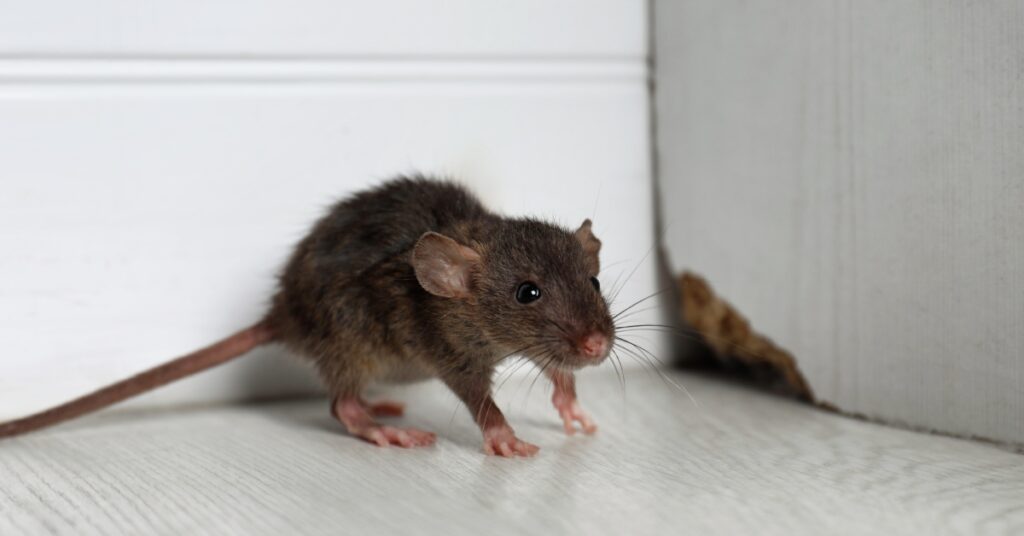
(344, 258)
(371, 226)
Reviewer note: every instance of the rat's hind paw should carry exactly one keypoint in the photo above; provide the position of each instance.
(402, 437)
(356, 416)
(502, 441)
(571, 412)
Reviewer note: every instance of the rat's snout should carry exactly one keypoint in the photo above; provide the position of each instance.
(594, 345)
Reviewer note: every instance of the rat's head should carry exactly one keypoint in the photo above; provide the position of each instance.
(532, 286)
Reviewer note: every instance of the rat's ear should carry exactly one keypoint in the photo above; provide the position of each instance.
(591, 246)
(443, 266)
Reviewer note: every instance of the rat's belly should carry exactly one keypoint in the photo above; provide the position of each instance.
(404, 371)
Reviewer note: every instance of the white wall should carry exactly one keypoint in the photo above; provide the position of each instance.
(851, 176)
(159, 160)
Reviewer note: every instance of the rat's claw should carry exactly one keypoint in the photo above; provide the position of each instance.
(571, 412)
(502, 441)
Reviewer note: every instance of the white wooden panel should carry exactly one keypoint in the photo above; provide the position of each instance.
(851, 176)
(397, 28)
(92, 71)
(153, 184)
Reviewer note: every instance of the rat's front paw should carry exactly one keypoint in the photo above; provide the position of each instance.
(571, 412)
(502, 441)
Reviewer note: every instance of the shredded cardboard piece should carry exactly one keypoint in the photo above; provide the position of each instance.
(731, 339)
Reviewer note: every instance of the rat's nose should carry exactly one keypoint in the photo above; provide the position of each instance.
(594, 345)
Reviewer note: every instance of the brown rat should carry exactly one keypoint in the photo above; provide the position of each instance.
(411, 280)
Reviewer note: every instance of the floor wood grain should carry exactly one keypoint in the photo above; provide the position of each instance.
(729, 461)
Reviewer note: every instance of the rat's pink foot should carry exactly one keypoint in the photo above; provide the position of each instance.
(385, 408)
(502, 441)
(389, 435)
(355, 415)
(571, 412)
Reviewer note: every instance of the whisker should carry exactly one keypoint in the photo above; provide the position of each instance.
(558, 326)
(607, 266)
(540, 342)
(635, 268)
(638, 311)
(542, 370)
(619, 372)
(613, 291)
(641, 300)
(690, 334)
(509, 373)
(643, 359)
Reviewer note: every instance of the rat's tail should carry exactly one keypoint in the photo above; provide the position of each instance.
(208, 357)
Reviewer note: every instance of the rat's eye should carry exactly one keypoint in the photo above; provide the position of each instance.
(596, 283)
(527, 292)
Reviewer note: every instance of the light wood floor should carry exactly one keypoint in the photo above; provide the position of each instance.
(735, 462)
